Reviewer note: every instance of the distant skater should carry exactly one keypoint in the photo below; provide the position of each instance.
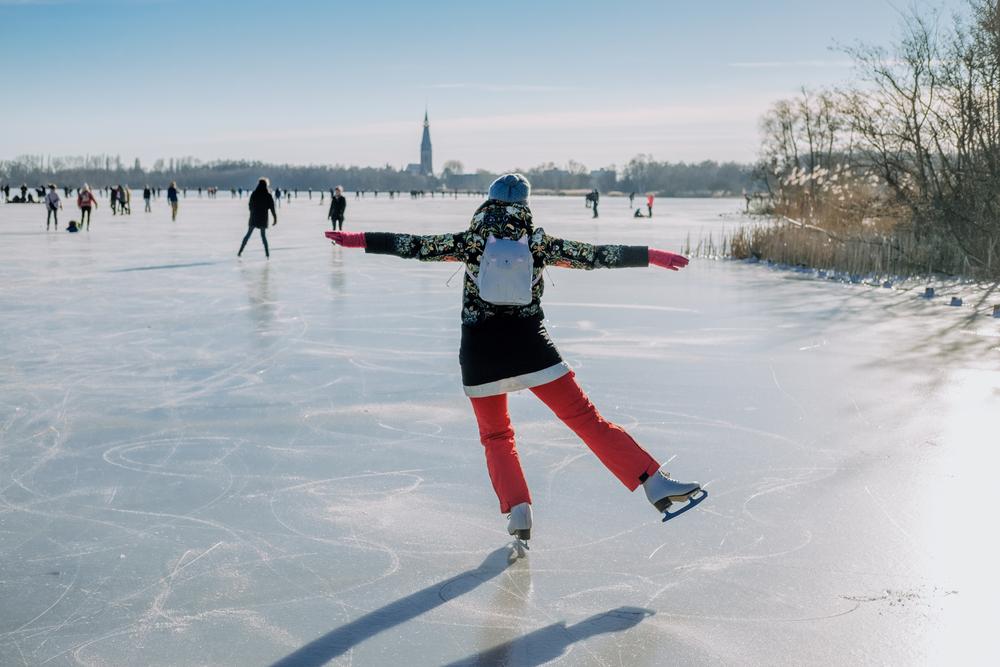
(147, 195)
(595, 197)
(631, 199)
(338, 204)
(172, 199)
(86, 201)
(649, 205)
(124, 200)
(52, 206)
(505, 346)
(261, 202)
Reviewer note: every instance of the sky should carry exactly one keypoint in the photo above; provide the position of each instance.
(506, 85)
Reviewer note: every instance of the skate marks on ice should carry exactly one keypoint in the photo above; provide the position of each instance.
(922, 596)
(341, 640)
(217, 577)
(537, 647)
(232, 478)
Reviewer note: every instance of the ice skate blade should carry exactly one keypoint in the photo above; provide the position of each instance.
(692, 502)
(663, 503)
(519, 549)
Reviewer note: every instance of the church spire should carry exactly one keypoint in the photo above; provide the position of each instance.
(426, 163)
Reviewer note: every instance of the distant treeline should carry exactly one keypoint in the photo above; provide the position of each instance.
(642, 174)
(221, 174)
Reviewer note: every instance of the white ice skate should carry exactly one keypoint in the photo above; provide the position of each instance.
(663, 492)
(519, 524)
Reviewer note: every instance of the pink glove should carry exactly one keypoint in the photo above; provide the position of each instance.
(664, 259)
(347, 239)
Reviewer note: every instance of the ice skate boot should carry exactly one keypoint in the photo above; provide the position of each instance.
(519, 524)
(663, 492)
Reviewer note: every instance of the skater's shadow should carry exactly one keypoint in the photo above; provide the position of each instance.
(337, 642)
(160, 267)
(550, 642)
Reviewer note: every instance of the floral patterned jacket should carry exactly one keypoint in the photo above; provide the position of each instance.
(508, 221)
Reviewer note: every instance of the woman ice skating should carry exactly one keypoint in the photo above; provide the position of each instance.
(505, 346)
(85, 200)
(338, 204)
(261, 202)
(172, 199)
(52, 206)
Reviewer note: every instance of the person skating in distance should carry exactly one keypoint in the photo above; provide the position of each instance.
(52, 206)
(85, 200)
(261, 203)
(338, 204)
(172, 199)
(505, 346)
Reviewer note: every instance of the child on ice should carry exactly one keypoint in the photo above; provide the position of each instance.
(506, 348)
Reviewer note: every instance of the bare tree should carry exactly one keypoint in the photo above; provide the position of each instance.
(927, 117)
(453, 167)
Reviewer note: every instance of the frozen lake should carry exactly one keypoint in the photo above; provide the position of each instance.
(213, 461)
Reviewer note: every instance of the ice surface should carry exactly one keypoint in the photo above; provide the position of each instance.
(212, 461)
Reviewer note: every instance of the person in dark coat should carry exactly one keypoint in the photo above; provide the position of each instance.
(261, 202)
(52, 206)
(338, 204)
(172, 199)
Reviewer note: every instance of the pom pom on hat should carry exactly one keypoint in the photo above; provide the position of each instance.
(512, 188)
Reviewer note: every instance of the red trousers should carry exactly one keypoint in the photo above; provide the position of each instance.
(613, 446)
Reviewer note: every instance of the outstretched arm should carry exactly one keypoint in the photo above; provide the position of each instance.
(578, 255)
(433, 248)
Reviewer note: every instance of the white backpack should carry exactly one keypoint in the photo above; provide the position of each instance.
(506, 272)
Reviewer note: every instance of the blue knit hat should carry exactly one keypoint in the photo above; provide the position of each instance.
(512, 188)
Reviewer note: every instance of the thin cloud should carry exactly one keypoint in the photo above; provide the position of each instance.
(502, 88)
(659, 117)
(790, 64)
(633, 117)
(309, 133)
